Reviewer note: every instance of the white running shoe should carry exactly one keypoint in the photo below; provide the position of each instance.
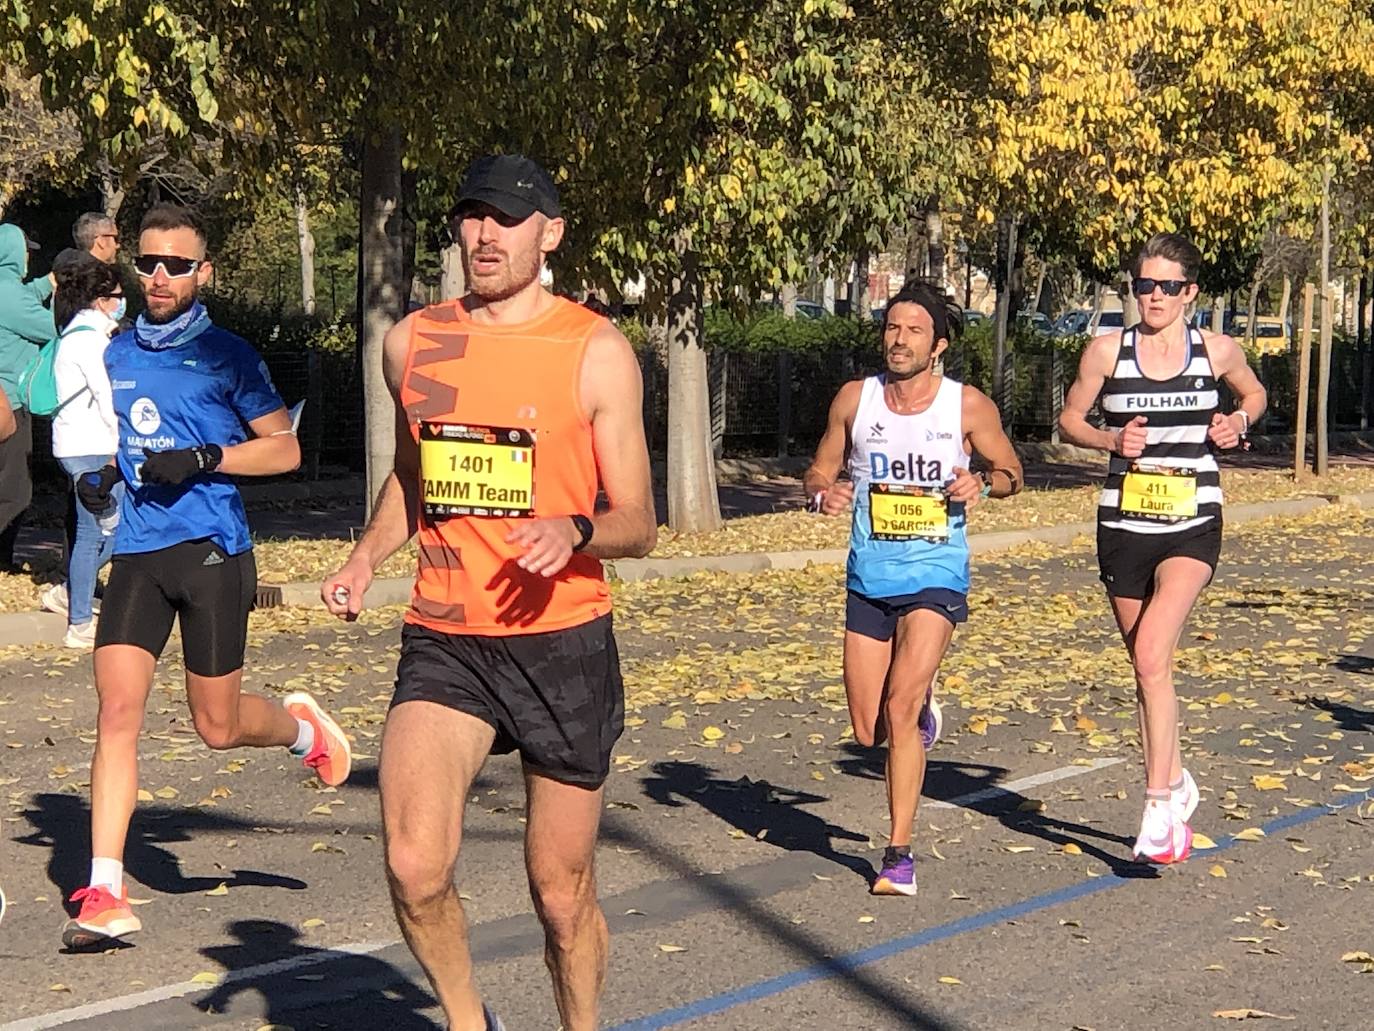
(81, 635)
(54, 598)
(1185, 799)
(1164, 838)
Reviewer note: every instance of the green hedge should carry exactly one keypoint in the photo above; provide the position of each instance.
(769, 332)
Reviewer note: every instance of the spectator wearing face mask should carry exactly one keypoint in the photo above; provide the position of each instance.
(87, 305)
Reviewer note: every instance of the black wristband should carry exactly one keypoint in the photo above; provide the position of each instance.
(584, 530)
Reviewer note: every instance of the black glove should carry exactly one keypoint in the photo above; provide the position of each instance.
(93, 489)
(172, 467)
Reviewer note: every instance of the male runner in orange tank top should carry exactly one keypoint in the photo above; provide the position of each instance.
(513, 407)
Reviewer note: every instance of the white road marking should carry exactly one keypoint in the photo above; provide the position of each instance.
(1013, 787)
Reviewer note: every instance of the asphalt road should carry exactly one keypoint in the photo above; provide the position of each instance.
(734, 867)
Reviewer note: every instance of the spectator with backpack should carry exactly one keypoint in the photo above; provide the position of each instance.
(88, 305)
(24, 325)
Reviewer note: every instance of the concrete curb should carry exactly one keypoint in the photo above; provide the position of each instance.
(47, 628)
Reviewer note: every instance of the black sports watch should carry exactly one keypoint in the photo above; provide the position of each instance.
(584, 531)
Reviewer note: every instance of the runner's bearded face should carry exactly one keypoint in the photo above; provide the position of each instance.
(169, 291)
(502, 255)
(909, 344)
(1157, 308)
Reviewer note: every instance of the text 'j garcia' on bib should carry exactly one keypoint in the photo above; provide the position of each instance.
(476, 471)
(905, 512)
(1162, 492)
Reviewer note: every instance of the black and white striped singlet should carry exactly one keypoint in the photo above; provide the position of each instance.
(1179, 413)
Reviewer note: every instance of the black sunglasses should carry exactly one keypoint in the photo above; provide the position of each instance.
(1142, 287)
(175, 267)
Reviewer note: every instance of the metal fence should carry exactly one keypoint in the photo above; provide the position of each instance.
(761, 404)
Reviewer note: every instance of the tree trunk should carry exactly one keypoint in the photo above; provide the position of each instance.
(1304, 380)
(693, 506)
(383, 294)
(111, 189)
(306, 240)
(1324, 355)
(1362, 333)
(935, 243)
(916, 253)
(409, 208)
(1130, 307)
(1286, 302)
(1218, 315)
(784, 438)
(1039, 289)
(860, 304)
(1250, 319)
(452, 281)
(1006, 269)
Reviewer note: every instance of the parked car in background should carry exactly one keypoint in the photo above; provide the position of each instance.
(805, 309)
(1071, 323)
(1106, 322)
(1273, 335)
(1035, 321)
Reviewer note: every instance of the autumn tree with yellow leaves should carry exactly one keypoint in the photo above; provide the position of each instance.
(1110, 121)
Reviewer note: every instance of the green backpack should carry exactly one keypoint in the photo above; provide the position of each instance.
(38, 382)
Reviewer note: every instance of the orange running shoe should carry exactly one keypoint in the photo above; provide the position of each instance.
(103, 917)
(332, 756)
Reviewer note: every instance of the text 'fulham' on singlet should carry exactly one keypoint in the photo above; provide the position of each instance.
(906, 537)
(1174, 485)
(497, 416)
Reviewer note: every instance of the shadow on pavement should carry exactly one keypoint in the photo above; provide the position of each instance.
(1354, 663)
(951, 781)
(62, 824)
(379, 995)
(751, 806)
(756, 807)
(1347, 718)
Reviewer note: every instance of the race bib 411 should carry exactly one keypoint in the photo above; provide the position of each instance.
(1159, 492)
(476, 471)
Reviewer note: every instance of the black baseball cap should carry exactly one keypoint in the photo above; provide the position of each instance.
(510, 183)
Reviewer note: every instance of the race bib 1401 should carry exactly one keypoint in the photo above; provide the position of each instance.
(905, 512)
(476, 471)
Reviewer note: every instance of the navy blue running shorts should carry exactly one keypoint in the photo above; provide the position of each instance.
(877, 617)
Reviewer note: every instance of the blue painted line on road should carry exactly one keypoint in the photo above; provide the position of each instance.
(840, 965)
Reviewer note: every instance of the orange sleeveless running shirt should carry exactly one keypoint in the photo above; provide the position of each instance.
(497, 414)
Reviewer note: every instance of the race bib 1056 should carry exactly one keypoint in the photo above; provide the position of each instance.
(905, 512)
(476, 471)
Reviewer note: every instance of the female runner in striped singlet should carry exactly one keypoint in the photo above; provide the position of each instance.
(1159, 517)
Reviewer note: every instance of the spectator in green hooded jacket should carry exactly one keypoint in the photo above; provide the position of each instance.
(25, 325)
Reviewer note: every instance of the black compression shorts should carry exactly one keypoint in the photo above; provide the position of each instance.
(556, 697)
(1127, 561)
(210, 591)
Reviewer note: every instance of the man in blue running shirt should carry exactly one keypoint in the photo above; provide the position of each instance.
(908, 436)
(195, 407)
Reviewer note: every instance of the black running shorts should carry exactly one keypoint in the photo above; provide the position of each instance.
(1127, 561)
(209, 590)
(877, 617)
(555, 697)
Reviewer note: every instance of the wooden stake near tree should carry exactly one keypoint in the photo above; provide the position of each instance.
(1304, 353)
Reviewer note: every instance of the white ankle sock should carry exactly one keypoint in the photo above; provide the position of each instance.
(108, 873)
(305, 738)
